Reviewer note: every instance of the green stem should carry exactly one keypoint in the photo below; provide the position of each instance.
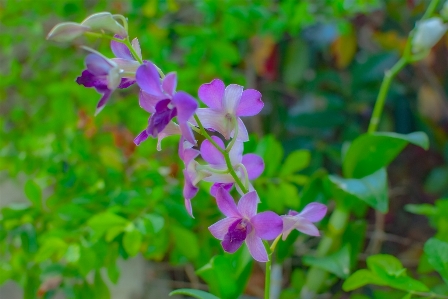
(382, 95)
(100, 35)
(267, 279)
(134, 54)
(430, 10)
(224, 153)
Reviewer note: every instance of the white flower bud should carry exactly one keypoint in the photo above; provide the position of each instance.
(65, 32)
(428, 33)
(105, 21)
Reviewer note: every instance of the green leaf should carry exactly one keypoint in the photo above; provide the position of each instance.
(186, 242)
(132, 241)
(272, 152)
(295, 162)
(371, 189)
(100, 288)
(370, 152)
(194, 293)
(361, 278)
(34, 193)
(422, 209)
(437, 254)
(337, 263)
(52, 246)
(100, 223)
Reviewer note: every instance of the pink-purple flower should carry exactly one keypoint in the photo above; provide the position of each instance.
(226, 105)
(160, 98)
(243, 224)
(303, 221)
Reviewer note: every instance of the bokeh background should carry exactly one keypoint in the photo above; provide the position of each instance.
(86, 214)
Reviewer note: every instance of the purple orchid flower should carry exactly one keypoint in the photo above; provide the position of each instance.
(244, 224)
(226, 105)
(160, 98)
(303, 221)
(106, 75)
(187, 154)
(253, 164)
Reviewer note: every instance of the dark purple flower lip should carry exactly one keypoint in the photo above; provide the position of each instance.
(165, 112)
(236, 235)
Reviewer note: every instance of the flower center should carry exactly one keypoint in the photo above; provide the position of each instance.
(236, 235)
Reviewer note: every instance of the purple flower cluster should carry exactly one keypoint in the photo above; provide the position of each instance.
(173, 112)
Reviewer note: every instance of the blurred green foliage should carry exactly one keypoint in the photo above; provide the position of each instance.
(94, 197)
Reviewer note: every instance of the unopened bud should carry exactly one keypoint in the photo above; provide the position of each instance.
(105, 21)
(428, 33)
(65, 32)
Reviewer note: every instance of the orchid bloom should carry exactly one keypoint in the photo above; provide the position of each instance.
(226, 105)
(247, 167)
(303, 221)
(106, 75)
(242, 223)
(187, 154)
(160, 98)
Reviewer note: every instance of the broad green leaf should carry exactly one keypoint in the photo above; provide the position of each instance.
(337, 263)
(437, 254)
(194, 293)
(422, 209)
(295, 162)
(186, 242)
(100, 288)
(371, 189)
(272, 152)
(100, 223)
(34, 193)
(370, 152)
(52, 246)
(132, 241)
(361, 278)
(290, 195)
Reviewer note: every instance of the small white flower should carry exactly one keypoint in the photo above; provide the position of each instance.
(428, 33)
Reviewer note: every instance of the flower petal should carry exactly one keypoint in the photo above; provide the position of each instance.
(226, 204)
(254, 165)
(97, 65)
(247, 206)
(103, 101)
(141, 137)
(67, 31)
(215, 120)
(120, 50)
(305, 226)
(136, 46)
(169, 83)
(186, 106)
(256, 248)
(187, 132)
(128, 66)
(148, 79)
(170, 129)
(104, 21)
(242, 131)
(314, 212)
(236, 152)
(232, 98)
(250, 103)
(212, 93)
(210, 153)
(147, 101)
(267, 225)
(220, 228)
(216, 186)
(189, 191)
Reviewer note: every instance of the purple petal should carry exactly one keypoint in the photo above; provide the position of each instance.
(220, 228)
(215, 120)
(250, 103)
(256, 248)
(97, 65)
(147, 101)
(247, 206)
(148, 79)
(236, 153)
(232, 98)
(212, 93)
(103, 101)
(216, 186)
(267, 225)
(210, 153)
(242, 131)
(314, 212)
(90, 80)
(160, 119)
(170, 129)
(136, 46)
(254, 165)
(226, 203)
(305, 226)
(129, 66)
(120, 50)
(126, 82)
(187, 132)
(189, 192)
(235, 236)
(186, 106)
(187, 203)
(169, 83)
(141, 137)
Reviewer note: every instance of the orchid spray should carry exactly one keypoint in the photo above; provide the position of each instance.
(218, 159)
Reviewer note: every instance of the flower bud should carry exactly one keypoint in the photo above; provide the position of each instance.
(65, 32)
(105, 21)
(428, 33)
